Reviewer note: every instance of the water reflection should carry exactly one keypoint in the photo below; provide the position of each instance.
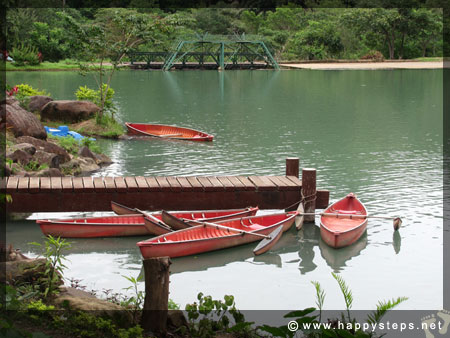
(396, 241)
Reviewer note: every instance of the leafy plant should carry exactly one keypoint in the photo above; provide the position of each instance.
(137, 300)
(211, 316)
(53, 253)
(27, 90)
(91, 144)
(88, 94)
(346, 292)
(35, 166)
(24, 55)
(320, 296)
(311, 327)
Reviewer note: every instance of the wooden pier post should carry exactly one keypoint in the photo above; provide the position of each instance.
(309, 192)
(292, 166)
(156, 303)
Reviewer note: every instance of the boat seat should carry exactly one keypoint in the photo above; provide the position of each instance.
(253, 227)
(348, 212)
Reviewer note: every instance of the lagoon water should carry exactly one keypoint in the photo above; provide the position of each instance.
(375, 133)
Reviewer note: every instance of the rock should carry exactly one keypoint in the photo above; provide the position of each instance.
(176, 319)
(73, 166)
(37, 102)
(51, 159)
(69, 111)
(49, 172)
(81, 300)
(21, 121)
(27, 147)
(48, 147)
(102, 159)
(87, 165)
(86, 152)
(6, 170)
(20, 156)
(21, 271)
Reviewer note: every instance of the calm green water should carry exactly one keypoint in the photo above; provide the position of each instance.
(375, 133)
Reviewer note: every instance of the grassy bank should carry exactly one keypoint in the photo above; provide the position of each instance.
(67, 64)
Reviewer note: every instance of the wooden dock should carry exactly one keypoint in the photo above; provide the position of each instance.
(63, 194)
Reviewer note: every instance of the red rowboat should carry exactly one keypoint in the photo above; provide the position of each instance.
(201, 238)
(343, 222)
(130, 225)
(165, 131)
(110, 226)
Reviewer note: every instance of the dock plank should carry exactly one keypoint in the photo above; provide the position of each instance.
(121, 186)
(227, 184)
(23, 183)
(174, 184)
(152, 184)
(248, 185)
(294, 179)
(207, 185)
(131, 184)
(236, 182)
(288, 183)
(110, 184)
(45, 184)
(99, 185)
(88, 184)
(262, 183)
(77, 183)
(34, 184)
(141, 183)
(67, 184)
(281, 184)
(12, 183)
(184, 183)
(56, 183)
(162, 181)
(216, 183)
(196, 185)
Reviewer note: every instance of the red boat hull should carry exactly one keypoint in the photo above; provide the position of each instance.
(348, 227)
(167, 132)
(125, 225)
(201, 239)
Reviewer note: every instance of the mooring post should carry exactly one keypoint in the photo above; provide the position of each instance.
(156, 303)
(292, 166)
(309, 192)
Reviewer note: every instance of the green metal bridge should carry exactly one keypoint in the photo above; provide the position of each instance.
(210, 51)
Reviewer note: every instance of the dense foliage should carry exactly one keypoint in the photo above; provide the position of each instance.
(292, 33)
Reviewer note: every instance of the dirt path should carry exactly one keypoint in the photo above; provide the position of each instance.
(366, 65)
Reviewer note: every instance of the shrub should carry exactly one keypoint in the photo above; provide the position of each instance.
(373, 55)
(88, 94)
(23, 55)
(27, 90)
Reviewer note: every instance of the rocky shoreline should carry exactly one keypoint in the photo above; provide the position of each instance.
(29, 150)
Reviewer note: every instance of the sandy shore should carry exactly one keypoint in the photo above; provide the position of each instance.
(366, 65)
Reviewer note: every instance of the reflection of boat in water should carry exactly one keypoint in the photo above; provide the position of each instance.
(337, 258)
(286, 244)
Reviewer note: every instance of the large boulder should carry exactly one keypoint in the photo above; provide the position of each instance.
(48, 147)
(27, 147)
(37, 102)
(69, 111)
(20, 121)
(19, 156)
(42, 157)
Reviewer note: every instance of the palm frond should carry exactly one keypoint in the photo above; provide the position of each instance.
(347, 293)
(382, 308)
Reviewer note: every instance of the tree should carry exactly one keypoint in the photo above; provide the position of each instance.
(107, 40)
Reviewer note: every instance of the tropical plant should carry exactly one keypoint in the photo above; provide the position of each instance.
(54, 255)
(23, 55)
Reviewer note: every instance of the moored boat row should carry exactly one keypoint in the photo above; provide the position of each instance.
(192, 232)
